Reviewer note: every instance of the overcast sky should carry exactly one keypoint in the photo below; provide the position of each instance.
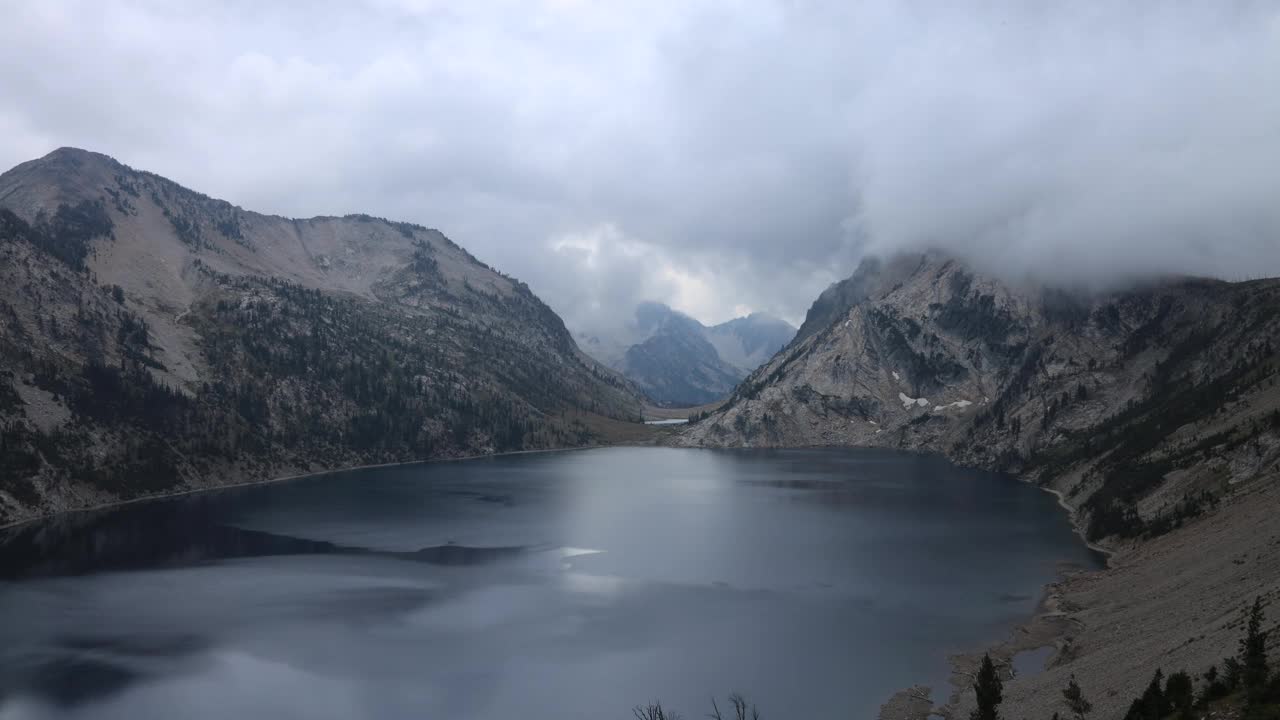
(721, 156)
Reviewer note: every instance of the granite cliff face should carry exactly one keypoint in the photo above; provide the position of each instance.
(153, 339)
(1143, 407)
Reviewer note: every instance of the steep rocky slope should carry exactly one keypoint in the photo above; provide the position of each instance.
(1153, 412)
(679, 362)
(1142, 407)
(155, 339)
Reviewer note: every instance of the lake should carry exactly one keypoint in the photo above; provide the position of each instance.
(556, 585)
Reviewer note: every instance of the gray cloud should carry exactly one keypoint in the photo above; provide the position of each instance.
(724, 156)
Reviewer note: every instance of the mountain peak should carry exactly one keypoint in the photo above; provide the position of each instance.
(67, 151)
(72, 160)
(66, 175)
(759, 319)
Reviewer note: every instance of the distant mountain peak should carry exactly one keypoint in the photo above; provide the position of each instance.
(678, 360)
(73, 161)
(69, 151)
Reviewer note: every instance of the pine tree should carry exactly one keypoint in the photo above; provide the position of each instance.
(1179, 694)
(1154, 703)
(1214, 688)
(989, 691)
(1232, 674)
(1253, 652)
(1076, 702)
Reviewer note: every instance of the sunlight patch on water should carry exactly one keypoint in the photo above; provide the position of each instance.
(570, 552)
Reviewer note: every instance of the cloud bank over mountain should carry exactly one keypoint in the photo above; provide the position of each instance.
(719, 156)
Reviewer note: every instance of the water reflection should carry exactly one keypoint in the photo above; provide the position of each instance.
(564, 584)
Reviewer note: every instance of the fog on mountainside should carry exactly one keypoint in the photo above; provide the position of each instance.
(721, 157)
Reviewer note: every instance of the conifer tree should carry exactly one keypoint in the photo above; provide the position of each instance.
(1253, 652)
(1153, 705)
(1179, 694)
(989, 690)
(1233, 674)
(1076, 702)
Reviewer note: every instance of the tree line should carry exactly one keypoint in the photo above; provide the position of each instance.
(1245, 681)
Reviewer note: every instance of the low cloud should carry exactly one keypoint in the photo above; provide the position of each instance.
(721, 156)
(615, 271)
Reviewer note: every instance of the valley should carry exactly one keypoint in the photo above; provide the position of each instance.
(402, 359)
(159, 342)
(680, 363)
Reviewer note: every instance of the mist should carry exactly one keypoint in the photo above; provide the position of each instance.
(722, 157)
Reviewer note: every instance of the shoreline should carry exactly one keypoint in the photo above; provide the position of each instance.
(1047, 625)
(286, 478)
(1044, 627)
(1073, 518)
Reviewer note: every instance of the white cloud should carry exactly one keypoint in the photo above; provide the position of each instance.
(746, 153)
(613, 271)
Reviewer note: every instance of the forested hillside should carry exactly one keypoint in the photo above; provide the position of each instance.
(155, 339)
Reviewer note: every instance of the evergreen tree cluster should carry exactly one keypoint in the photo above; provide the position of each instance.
(66, 234)
(1247, 679)
(1129, 439)
(294, 375)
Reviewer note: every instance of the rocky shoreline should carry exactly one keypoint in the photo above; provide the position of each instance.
(1172, 602)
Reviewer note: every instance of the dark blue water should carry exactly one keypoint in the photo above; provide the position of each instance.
(564, 585)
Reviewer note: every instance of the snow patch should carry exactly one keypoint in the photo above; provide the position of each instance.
(959, 405)
(896, 376)
(907, 402)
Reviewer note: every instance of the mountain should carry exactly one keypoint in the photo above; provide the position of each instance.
(1152, 412)
(677, 361)
(748, 342)
(1117, 400)
(156, 339)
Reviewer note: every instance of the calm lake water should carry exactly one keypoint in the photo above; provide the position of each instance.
(560, 585)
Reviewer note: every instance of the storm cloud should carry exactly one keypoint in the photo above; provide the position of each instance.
(722, 156)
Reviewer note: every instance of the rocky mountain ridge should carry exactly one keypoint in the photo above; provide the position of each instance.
(156, 339)
(1141, 407)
